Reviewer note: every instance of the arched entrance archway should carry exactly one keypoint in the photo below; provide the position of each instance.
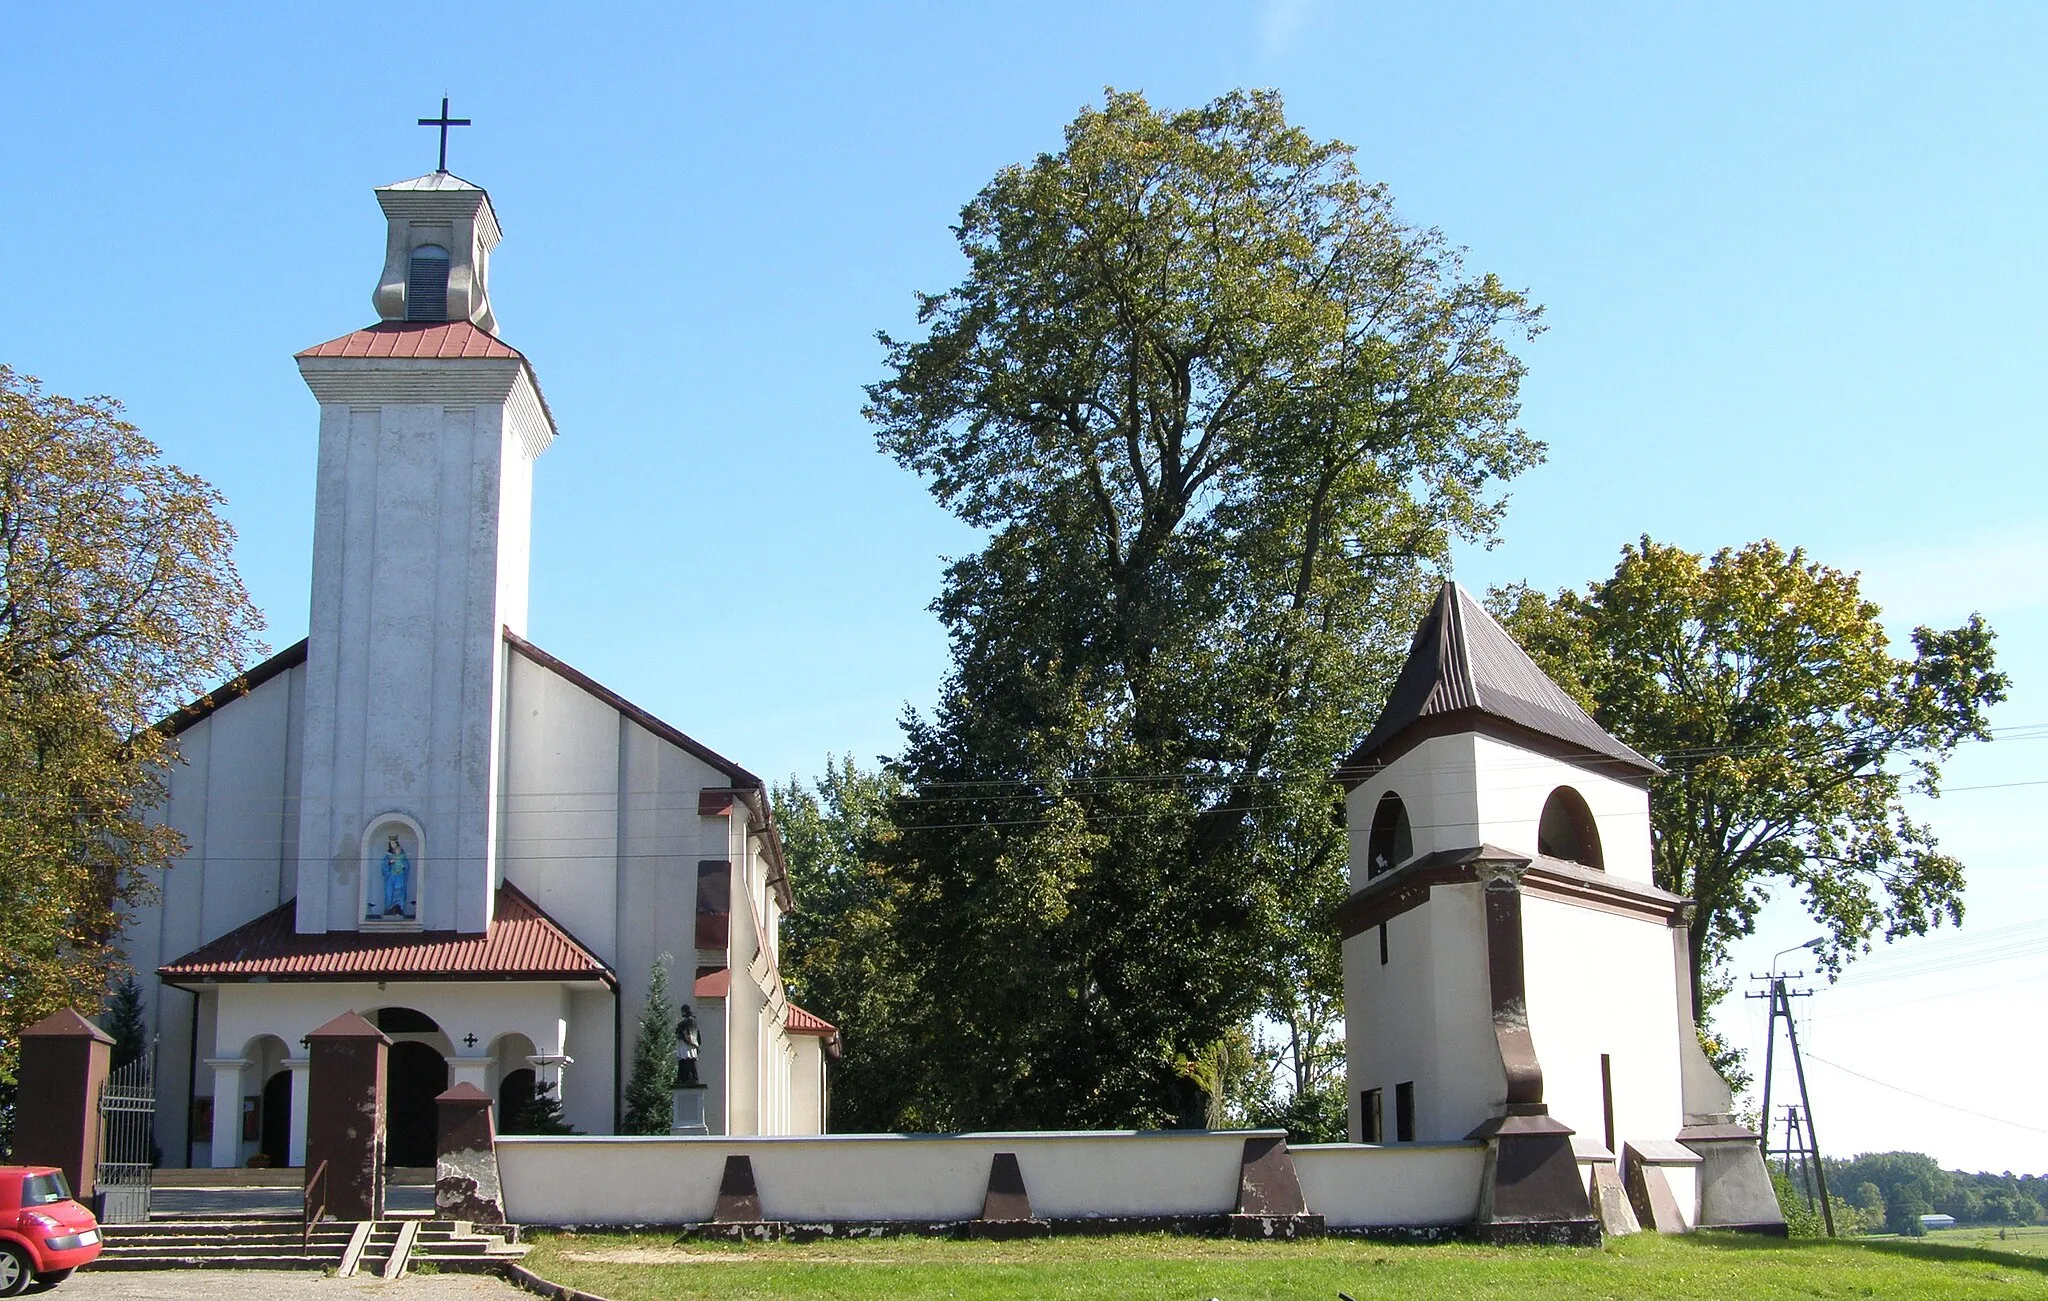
(277, 1118)
(415, 1073)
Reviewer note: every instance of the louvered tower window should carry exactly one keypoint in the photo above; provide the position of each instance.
(426, 284)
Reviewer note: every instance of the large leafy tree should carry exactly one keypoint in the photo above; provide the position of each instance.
(840, 954)
(1221, 413)
(1765, 685)
(119, 602)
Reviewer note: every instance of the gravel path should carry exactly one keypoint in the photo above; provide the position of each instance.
(179, 1284)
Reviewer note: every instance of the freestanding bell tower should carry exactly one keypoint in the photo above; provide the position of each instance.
(429, 427)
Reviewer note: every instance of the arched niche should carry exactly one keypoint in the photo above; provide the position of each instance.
(1567, 830)
(394, 869)
(1391, 841)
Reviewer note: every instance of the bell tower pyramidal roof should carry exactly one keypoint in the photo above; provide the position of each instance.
(1464, 672)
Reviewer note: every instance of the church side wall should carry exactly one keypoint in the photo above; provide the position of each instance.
(233, 797)
(1602, 983)
(561, 805)
(601, 828)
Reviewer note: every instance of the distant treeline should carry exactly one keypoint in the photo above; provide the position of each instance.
(1893, 1190)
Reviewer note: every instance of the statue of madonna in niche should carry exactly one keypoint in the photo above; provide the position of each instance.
(393, 887)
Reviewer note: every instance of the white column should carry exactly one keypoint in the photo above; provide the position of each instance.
(302, 1074)
(227, 1111)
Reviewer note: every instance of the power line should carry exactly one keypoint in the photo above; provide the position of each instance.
(1981, 1115)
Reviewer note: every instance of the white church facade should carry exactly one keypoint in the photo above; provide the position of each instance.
(418, 815)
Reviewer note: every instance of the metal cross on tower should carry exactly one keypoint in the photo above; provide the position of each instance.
(444, 122)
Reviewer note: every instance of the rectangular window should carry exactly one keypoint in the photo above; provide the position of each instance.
(1383, 944)
(714, 903)
(1404, 1112)
(1370, 1128)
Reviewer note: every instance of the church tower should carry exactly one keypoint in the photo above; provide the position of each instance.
(1512, 971)
(429, 428)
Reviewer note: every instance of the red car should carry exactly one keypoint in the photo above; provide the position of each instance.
(44, 1235)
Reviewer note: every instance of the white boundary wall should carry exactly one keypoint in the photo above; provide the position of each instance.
(1359, 1185)
(943, 1177)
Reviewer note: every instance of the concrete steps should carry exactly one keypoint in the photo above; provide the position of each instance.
(386, 1248)
(268, 1243)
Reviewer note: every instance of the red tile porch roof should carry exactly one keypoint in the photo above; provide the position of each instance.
(802, 1022)
(523, 943)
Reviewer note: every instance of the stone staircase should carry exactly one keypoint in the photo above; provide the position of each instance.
(386, 1248)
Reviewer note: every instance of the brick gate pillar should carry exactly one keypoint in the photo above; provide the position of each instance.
(64, 1061)
(466, 1183)
(345, 1115)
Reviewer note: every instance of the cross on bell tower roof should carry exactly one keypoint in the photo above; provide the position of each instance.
(444, 122)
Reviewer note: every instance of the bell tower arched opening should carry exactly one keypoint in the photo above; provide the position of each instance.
(1567, 830)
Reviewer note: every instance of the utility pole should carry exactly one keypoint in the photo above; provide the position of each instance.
(1798, 1120)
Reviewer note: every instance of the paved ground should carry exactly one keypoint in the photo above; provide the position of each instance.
(291, 1285)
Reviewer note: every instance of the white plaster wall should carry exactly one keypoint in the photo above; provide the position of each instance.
(1436, 783)
(421, 533)
(714, 1061)
(561, 804)
(1426, 1016)
(1513, 784)
(1600, 983)
(807, 1085)
(1354, 1185)
(591, 1087)
(1469, 789)
(233, 797)
(869, 1176)
(1468, 1083)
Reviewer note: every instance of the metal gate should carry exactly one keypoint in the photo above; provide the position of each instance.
(128, 1141)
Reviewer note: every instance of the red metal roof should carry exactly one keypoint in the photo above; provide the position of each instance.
(523, 943)
(802, 1022)
(429, 339)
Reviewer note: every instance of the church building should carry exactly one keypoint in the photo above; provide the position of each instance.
(419, 815)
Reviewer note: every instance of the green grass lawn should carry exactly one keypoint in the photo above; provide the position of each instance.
(2030, 1241)
(1137, 1268)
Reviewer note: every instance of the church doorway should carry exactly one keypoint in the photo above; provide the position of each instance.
(277, 1119)
(414, 1076)
(515, 1093)
(415, 1073)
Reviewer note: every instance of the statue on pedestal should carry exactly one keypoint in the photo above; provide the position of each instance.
(687, 1042)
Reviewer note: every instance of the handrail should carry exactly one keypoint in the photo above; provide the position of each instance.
(312, 1213)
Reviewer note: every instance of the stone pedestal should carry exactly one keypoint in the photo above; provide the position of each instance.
(345, 1116)
(686, 1115)
(1735, 1188)
(466, 1185)
(64, 1061)
(1529, 1191)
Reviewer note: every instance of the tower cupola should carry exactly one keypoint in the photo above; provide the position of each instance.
(438, 250)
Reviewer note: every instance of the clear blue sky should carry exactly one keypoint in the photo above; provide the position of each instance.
(1792, 265)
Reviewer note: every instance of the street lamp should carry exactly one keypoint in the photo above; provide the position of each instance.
(1813, 943)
